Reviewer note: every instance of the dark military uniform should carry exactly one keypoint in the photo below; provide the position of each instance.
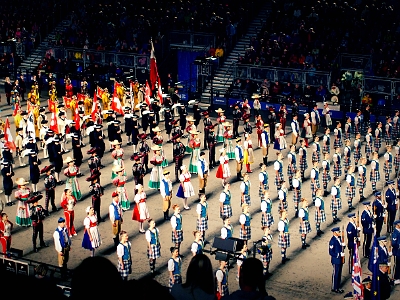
(96, 191)
(37, 217)
(50, 186)
(179, 153)
(211, 141)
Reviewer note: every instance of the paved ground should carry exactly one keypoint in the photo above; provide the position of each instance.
(306, 276)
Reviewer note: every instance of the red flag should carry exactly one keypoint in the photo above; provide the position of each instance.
(16, 109)
(153, 68)
(116, 105)
(99, 92)
(81, 97)
(52, 106)
(8, 137)
(94, 108)
(147, 93)
(160, 91)
(77, 119)
(54, 123)
(67, 102)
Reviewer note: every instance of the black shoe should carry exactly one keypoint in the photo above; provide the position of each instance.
(303, 247)
(44, 245)
(335, 221)
(35, 250)
(102, 166)
(129, 144)
(307, 245)
(54, 209)
(338, 220)
(338, 291)
(321, 232)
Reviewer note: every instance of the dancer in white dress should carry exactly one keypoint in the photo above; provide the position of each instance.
(91, 237)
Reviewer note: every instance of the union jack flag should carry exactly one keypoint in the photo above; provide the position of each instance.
(356, 275)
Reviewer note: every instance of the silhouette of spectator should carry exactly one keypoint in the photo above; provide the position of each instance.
(199, 281)
(94, 278)
(251, 282)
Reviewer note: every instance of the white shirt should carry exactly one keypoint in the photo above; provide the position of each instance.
(368, 138)
(313, 173)
(194, 248)
(333, 191)
(224, 232)
(220, 275)
(301, 213)
(317, 202)
(360, 170)
(173, 222)
(294, 128)
(148, 236)
(222, 197)
(111, 211)
(263, 206)
(314, 117)
(281, 226)
(86, 221)
(121, 249)
(243, 186)
(56, 237)
(242, 219)
(171, 264)
(356, 143)
(199, 169)
(198, 208)
(324, 164)
(346, 150)
(281, 195)
(263, 140)
(290, 156)
(237, 157)
(386, 156)
(295, 183)
(277, 166)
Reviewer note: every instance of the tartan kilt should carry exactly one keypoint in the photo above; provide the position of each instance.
(285, 206)
(395, 131)
(360, 183)
(303, 164)
(278, 182)
(388, 139)
(296, 197)
(376, 177)
(326, 148)
(267, 221)
(260, 190)
(349, 193)
(226, 211)
(377, 143)
(338, 143)
(177, 279)
(127, 268)
(326, 178)
(388, 169)
(267, 257)
(314, 186)
(321, 218)
(305, 227)
(155, 251)
(397, 162)
(368, 149)
(337, 171)
(316, 157)
(338, 205)
(286, 243)
(247, 199)
(357, 155)
(202, 224)
(179, 238)
(245, 234)
(347, 162)
(291, 171)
